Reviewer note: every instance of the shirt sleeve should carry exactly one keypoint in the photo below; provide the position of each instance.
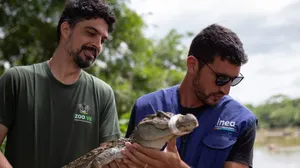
(8, 96)
(131, 124)
(109, 124)
(242, 150)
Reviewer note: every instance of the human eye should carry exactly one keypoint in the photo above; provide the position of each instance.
(223, 78)
(92, 34)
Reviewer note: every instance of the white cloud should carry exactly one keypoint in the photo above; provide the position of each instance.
(189, 13)
(269, 30)
(267, 75)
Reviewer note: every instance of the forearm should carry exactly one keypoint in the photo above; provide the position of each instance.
(4, 162)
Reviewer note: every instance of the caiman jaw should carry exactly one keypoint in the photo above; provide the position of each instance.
(173, 127)
(188, 123)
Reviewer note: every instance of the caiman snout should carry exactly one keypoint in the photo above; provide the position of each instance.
(183, 124)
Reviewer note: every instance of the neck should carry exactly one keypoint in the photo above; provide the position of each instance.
(63, 67)
(187, 94)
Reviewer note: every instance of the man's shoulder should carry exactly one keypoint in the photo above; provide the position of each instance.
(22, 70)
(239, 113)
(158, 94)
(234, 105)
(30, 67)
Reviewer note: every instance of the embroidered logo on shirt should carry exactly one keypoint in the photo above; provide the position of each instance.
(84, 114)
(225, 125)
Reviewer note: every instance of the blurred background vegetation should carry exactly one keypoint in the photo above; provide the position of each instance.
(131, 63)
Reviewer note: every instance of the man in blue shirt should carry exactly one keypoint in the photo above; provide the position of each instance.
(226, 132)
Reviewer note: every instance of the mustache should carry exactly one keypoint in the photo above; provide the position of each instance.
(217, 94)
(93, 49)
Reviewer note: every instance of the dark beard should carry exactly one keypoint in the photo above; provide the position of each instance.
(200, 93)
(79, 61)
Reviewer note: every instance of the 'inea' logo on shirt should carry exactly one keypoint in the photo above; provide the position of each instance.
(84, 114)
(225, 125)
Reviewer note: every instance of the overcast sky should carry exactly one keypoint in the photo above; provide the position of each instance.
(269, 29)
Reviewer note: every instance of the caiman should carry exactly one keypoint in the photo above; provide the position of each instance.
(154, 131)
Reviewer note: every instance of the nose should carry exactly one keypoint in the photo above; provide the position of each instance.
(98, 44)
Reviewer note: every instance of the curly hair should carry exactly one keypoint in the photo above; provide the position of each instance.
(216, 40)
(78, 10)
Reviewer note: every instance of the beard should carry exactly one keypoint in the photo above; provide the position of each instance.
(205, 98)
(82, 61)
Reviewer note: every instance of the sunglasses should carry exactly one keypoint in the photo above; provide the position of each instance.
(222, 80)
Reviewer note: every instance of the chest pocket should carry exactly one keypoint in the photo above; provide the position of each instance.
(215, 149)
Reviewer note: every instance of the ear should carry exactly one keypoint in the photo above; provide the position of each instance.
(192, 64)
(65, 29)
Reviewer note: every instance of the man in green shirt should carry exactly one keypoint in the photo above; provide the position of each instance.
(54, 112)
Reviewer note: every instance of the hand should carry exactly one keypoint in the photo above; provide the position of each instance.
(141, 157)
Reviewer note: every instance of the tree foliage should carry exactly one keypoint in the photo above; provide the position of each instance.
(278, 111)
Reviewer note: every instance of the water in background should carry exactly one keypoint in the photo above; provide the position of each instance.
(264, 159)
(277, 152)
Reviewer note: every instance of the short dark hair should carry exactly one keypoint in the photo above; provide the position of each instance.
(77, 10)
(216, 40)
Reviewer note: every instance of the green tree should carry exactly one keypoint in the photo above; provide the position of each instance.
(278, 111)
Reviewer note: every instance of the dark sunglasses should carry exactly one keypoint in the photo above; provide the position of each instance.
(222, 80)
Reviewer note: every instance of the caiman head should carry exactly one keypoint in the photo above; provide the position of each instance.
(157, 129)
